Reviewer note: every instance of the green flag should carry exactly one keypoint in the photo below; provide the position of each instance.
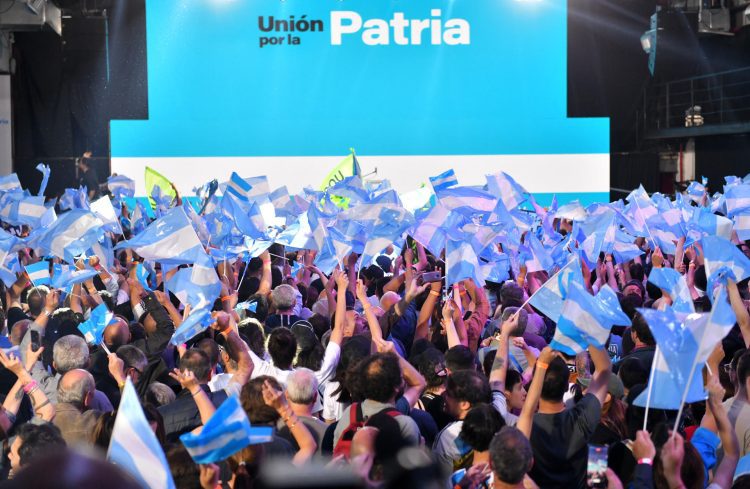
(348, 167)
(156, 179)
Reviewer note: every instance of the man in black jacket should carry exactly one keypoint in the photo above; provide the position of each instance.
(159, 329)
(182, 415)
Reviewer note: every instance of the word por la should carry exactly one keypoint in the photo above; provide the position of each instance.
(404, 31)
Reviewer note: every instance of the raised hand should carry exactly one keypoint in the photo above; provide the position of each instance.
(12, 363)
(116, 367)
(32, 357)
(186, 378)
(361, 292)
(273, 397)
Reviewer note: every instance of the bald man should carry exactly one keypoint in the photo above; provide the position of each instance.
(75, 393)
(158, 328)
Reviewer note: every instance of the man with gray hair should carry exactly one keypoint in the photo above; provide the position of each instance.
(284, 299)
(69, 353)
(302, 392)
(75, 418)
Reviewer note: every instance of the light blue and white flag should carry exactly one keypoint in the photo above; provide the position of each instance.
(666, 392)
(251, 306)
(104, 210)
(549, 298)
(719, 252)
(197, 286)
(45, 177)
(74, 198)
(742, 226)
(674, 284)
(705, 222)
(445, 180)
(238, 187)
(536, 257)
(197, 322)
(572, 211)
(498, 270)
(390, 225)
(121, 186)
(93, 328)
(71, 234)
(64, 276)
(170, 239)
(461, 262)
(9, 182)
(503, 186)
(38, 273)
(624, 252)
(737, 199)
(696, 191)
(134, 446)
(429, 229)
(9, 268)
(25, 210)
(247, 219)
(468, 200)
(102, 249)
(586, 320)
(334, 252)
(227, 432)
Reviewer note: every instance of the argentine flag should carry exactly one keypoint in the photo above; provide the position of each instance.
(719, 252)
(170, 239)
(226, 433)
(134, 446)
(443, 181)
(38, 273)
(586, 320)
(549, 298)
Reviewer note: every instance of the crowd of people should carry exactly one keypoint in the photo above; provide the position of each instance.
(381, 375)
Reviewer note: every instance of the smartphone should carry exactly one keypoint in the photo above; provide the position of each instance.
(596, 473)
(35, 341)
(430, 277)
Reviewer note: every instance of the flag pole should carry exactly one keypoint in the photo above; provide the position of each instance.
(684, 397)
(650, 387)
(101, 343)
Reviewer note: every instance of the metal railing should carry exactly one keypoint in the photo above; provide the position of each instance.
(723, 98)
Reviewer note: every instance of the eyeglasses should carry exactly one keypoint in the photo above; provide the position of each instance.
(727, 367)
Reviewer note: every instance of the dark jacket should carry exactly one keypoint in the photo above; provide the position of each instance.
(152, 346)
(181, 415)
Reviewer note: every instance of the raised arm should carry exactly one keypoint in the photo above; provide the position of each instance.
(187, 380)
(277, 400)
(423, 321)
(602, 371)
(39, 402)
(526, 419)
(738, 306)
(725, 471)
(500, 364)
(415, 383)
(450, 326)
(342, 283)
(265, 279)
(372, 320)
(174, 314)
(236, 348)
